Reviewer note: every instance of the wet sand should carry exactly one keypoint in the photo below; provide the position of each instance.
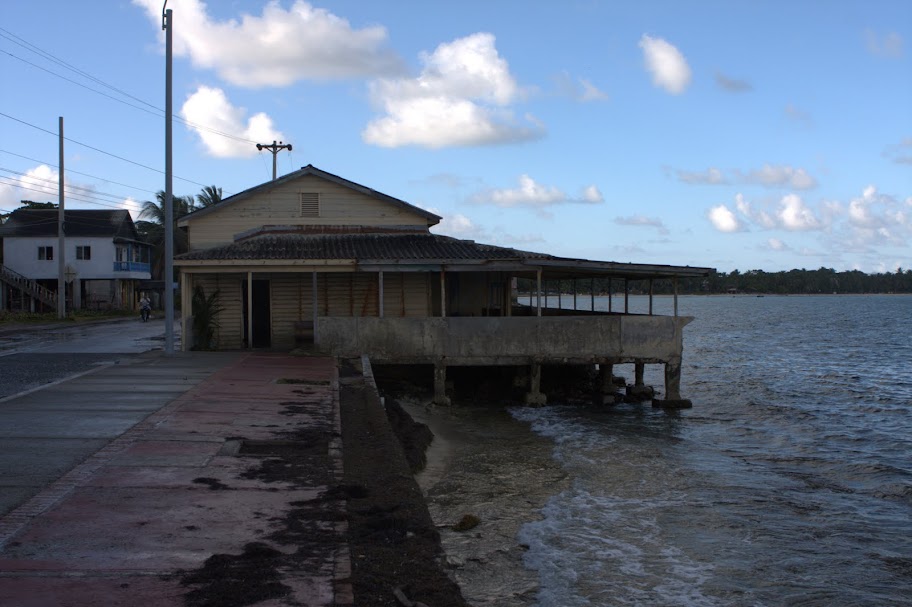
(482, 462)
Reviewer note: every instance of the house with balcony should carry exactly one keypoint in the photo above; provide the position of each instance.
(314, 256)
(104, 259)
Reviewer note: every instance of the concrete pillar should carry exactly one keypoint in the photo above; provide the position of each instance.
(639, 391)
(606, 394)
(673, 398)
(440, 397)
(534, 397)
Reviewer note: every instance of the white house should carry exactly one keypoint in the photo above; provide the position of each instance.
(104, 258)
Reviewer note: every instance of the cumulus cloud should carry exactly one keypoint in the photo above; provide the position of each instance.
(40, 184)
(278, 47)
(461, 98)
(711, 176)
(209, 110)
(530, 193)
(886, 45)
(724, 220)
(667, 65)
(795, 216)
(768, 176)
(779, 176)
(732, 85)
(459, 226)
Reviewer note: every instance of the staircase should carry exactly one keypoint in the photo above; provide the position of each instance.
(28, 286)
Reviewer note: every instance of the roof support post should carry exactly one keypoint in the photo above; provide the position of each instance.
(650, 297)
(315, 301)
(609, 296)
(186, 311)
(538, 281)
(380, 293)
(560, 289)
(626, 297)
(442, 293)
(675, 295)
(592, 293)
(249, 310)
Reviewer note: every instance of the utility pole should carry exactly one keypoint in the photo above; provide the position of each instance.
(169, 195)
(274, 148)
(61, 239)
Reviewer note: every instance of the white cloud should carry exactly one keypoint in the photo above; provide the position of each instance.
(900, 153)
(774, 244)
(460, 226)
(760, 216)
(724, 220)
(532, 194)
(888, 45)
(711, 176)
(642, 221)
(278, 47)
(732, 85)
(795, 216)
(591, 92)
(667, 65)
(780, 176)
(210, 108)
(461, 98)
(40, 184)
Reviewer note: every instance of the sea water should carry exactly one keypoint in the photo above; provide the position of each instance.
(788, 483)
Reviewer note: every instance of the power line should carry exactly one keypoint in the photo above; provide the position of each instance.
(132, 187)
(86, 191)
(85, 145)
(72, 197)
(52, 58)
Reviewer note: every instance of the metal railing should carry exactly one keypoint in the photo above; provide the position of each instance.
(131, 266)
(28, 286)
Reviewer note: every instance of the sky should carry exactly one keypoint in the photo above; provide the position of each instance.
(729, 134)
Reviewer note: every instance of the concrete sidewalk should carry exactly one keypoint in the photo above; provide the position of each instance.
(226, 491)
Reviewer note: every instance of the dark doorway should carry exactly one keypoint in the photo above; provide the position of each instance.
(261, 316)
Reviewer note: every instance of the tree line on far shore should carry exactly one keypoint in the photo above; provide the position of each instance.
(791, 282)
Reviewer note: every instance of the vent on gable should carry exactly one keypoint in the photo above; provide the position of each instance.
(310, 204)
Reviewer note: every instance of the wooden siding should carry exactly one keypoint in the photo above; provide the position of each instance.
(229, 335)
(339, 205)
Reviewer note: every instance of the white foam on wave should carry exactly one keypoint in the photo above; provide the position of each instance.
(596, 548)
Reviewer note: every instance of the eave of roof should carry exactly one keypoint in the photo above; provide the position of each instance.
(303, 172)
(405, 252)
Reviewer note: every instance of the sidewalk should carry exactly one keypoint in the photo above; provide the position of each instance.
(224, 496)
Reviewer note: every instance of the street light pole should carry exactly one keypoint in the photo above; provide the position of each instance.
(169, 194)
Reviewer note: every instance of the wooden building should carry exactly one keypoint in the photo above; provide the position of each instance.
(358, 272)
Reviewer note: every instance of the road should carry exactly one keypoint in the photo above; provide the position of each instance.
(33, 357)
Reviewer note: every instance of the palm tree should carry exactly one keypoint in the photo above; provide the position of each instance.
(151, 228)
(209, 196)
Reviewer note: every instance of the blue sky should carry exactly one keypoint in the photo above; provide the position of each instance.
(738, 135)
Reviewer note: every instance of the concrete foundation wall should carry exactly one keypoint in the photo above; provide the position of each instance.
(511, 340)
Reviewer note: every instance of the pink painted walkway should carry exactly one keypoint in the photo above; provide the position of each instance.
(124, 526)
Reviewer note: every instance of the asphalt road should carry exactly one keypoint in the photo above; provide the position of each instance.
(31, 357)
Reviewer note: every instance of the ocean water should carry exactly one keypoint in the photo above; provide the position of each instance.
(788, 483)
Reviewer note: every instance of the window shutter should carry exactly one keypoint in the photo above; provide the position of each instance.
(310, 204)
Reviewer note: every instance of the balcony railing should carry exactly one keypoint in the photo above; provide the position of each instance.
(131, 266)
